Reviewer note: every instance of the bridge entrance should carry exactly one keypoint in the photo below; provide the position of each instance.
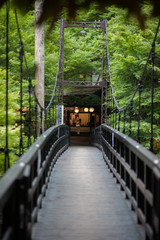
(81, 120)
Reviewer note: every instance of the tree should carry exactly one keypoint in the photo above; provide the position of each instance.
(39, 57)
(52, 9)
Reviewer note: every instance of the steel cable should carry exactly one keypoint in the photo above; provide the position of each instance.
(6, 150)
(140, 80)
(29, 75)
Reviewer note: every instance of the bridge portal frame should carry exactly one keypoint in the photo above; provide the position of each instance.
(101, 85)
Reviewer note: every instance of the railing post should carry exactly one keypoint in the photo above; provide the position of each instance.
(68, 133)
(24, 211)
(100, 133)
(58, 134)
(156, 204)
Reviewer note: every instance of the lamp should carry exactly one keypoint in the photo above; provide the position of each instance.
(85, 109)
(76, 110)
(83, 31)
(91, 109)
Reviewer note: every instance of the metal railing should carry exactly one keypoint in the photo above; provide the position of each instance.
(138, 172)
(23, 187)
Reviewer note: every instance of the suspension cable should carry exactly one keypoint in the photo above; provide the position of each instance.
(58, 69)
(140, 80)
(6, 150)
(21, 98)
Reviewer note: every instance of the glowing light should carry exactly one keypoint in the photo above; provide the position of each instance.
(91, 109)
(76, 110)
(85, 109)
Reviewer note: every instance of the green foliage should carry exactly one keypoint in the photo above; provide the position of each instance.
(12, 118)
(83, 54)
(128, 49)
(27, 32)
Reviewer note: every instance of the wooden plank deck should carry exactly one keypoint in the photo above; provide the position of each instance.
(83, 202)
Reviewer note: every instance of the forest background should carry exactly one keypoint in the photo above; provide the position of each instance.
(128, 48)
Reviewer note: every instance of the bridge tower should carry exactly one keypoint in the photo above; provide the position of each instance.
(100, 85)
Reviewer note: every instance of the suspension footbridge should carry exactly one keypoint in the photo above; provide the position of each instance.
(109, 189)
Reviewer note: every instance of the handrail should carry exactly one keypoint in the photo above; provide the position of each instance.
(138, 172)
(24, 185)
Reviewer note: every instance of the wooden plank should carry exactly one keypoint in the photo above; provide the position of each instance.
(83, 202)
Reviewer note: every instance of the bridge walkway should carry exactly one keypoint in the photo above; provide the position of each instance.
(84, 203)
